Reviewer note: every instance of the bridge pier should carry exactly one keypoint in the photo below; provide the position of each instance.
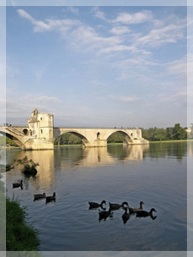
(38, 144)
(96, 143)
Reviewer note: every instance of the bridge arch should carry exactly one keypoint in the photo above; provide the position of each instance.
(15, 139)
(79, 135)
(127, 137)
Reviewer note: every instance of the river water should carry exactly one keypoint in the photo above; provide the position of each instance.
(155, 174)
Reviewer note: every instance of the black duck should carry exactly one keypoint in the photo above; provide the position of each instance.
(143, 213)
(18, 184)
(51, 198)
(116, 206)
(94, 205)
(135, 210)
(103, 215)
(126, 215)
(39, 196)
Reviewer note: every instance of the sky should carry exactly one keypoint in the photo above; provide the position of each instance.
(113, 66)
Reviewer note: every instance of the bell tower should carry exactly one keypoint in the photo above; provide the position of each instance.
(41, 125)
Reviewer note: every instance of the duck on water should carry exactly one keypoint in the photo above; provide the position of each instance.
(103, 215)
(39, 196)
(18, 184)
(94, 205)
(135, 210)
(145, 214)
(51, 198)
(116, 206)
(126, 215)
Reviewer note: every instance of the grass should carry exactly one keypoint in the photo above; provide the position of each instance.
(19, 235)
(2, 217)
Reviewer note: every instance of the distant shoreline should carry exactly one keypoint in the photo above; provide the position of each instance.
(172, 141)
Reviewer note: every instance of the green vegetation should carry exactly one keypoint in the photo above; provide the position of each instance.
(68, 139)
(28, 167)
(2, 217)
(116, 137)
(20, 236)
(7, 141)
(161, 134)
(16, 235)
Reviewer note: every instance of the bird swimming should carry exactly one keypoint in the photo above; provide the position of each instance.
(51, 198)
(126, 215)
(144, 214)
(18, 184)
(116, 206)
(39, 196)
(94, 205)
(135, 210)
(103, 215)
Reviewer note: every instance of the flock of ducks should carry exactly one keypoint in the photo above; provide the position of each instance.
(104, 214)
(50, 198)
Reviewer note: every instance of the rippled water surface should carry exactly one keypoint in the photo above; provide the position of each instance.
(155, 174)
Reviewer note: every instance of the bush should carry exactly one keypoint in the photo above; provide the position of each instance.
(28, 167)
(29, 170)
(19, 235)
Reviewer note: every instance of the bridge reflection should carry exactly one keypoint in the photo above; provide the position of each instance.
(64, 158)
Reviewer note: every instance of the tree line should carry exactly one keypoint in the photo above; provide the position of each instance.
(160, 134)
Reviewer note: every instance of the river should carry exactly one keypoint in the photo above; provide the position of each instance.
(155, 174)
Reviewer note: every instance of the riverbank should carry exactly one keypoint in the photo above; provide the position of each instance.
(20, 236)
(2, 216)
(171, 141)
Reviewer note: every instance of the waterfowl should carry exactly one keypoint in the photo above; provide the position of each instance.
(143, 213)
(51, 198)
(135, 210)
(126, 215)
(103, 215)
(18, 184)
(93, 205)
(116, 206)
(39, 196)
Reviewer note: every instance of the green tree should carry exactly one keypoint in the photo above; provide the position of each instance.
(179, 132)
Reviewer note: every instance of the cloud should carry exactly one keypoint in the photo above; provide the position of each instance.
(25, 15)
(134, 18)
(73, 10)
(17, 106)
(126, 99)
(175, 100)
(166, 34)
(178, 67)
(81, 36)
(120, 30)
(61, 25)
(99, 14)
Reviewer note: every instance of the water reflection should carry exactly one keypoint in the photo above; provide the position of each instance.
(127, 152)
(65, 157)
(177, 150)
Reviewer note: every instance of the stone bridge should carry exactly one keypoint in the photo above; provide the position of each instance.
(40, 133)
(99, 136)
